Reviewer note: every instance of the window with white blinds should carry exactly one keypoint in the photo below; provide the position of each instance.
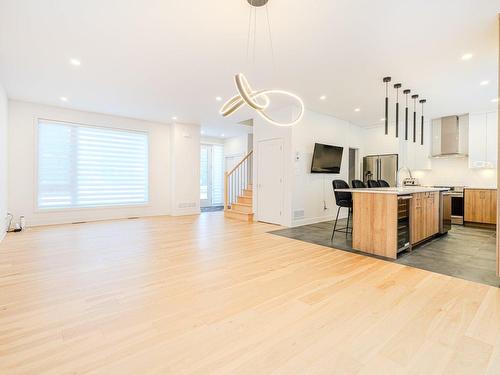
(86, 166)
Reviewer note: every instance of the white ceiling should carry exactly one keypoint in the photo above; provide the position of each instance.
(154, 59)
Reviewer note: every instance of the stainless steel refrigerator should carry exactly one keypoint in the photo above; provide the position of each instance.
(380, 167)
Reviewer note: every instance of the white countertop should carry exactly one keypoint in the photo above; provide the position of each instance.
(480, 188)
(394, 190)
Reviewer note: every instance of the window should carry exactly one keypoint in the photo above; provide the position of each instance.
(86, 166)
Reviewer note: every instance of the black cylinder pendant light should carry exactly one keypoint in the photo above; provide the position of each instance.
(406, 92)
(397, 86)
(386, 118)
(422, 101)
(414, 97)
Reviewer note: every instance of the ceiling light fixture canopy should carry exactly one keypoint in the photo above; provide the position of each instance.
(257, 3)
(258, 100)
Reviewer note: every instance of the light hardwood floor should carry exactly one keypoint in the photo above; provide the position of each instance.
(210, 295)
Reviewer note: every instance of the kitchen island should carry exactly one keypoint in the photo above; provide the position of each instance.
(386, 220)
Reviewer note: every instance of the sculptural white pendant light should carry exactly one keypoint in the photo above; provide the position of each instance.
(258, 100)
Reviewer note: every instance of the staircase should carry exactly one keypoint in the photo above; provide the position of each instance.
(238, 193)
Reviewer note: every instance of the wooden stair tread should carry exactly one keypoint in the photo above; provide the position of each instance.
(247, 193)
(234, 214)
(242, 207)
(243, 204)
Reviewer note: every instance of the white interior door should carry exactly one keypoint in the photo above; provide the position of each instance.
(270, 181)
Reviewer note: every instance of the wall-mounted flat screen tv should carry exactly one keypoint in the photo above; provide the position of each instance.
(326, 158)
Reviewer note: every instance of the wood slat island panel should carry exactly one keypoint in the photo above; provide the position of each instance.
(375, 223)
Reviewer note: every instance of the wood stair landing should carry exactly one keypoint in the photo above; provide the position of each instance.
(243, 209)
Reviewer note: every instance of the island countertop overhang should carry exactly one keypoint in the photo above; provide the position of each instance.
(393, 190)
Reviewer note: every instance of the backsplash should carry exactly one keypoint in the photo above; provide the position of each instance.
(456, 172)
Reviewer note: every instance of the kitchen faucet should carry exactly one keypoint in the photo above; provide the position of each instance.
(397, 174)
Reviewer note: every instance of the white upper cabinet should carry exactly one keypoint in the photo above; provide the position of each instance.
(483, 130)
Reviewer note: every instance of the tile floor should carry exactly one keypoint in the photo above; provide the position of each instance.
(212, 209)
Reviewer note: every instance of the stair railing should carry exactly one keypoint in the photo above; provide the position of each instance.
(237, 179)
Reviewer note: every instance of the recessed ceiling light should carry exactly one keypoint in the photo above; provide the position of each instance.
(322, 97)
(75, 62)
(495, 100)
(357, 109)
(484, 83)
(218, 98)
(382, 119)
(203, 132)
(63, 99)
(222, 135)
(467, 56)
(174, 117)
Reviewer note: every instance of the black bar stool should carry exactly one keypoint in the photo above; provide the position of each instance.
(358, 184)
(373, 184)
(383, 183)
(342, 199)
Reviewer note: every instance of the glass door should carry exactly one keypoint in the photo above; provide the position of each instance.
(211, 175)
(205, 176)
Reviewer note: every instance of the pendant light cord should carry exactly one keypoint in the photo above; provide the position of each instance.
(252, 35)
(270, 39)
(248, 33)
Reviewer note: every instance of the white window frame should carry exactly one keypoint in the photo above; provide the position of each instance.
(37, 209)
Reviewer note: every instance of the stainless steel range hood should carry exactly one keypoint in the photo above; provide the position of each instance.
(450, 136)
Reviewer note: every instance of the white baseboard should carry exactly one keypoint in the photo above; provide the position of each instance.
(34, 223)
(313, 220)
(185, 212)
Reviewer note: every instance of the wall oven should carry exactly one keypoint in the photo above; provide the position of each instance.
(457, 203)
(457, 208)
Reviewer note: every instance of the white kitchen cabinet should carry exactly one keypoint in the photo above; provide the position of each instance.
(483, 130)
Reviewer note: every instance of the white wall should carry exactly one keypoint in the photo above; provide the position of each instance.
(456, 172)
(212, 141)
(312, 192)
(376, 142)
(185, 171)
(22, 162)
(304, 194)
(3, 161)
(238, 146)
